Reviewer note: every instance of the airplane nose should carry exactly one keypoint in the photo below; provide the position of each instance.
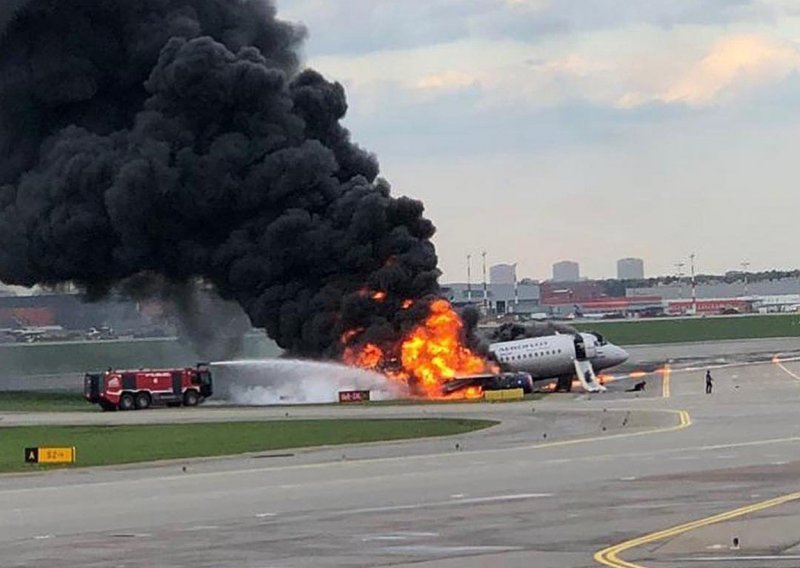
(621, 355)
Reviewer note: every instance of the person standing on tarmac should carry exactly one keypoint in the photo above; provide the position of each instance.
(709, 382)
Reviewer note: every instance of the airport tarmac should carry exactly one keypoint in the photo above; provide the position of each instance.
(647, 357)
(613, 472)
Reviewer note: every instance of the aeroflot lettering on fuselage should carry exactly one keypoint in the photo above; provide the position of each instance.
(522, 350)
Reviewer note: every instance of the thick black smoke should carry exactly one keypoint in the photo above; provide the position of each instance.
(180, 138)
(215, 328)
(512, 331)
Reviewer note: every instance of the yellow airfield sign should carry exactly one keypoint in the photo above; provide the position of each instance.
(50, 455)
(504, 394)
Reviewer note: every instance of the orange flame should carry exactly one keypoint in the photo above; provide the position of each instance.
(379, 296)
(473, 393)
(407, 304)
(368, 357)
(432, 353)
(347, 336)
(603, 379)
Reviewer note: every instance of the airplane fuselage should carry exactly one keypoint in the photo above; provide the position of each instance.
(555, 355)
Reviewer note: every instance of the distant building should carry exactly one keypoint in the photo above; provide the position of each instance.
(566, 271)
(682, 289)
(502, 274)
(569, 293)
(710, 306)
(500, 298)
(630, 269)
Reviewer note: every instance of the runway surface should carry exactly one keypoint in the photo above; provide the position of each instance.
(611, 469)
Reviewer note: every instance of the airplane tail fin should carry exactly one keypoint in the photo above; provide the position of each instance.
(587, 377)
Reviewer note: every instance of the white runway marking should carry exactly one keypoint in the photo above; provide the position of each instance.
(201, 528)
(472, 501)
(399, 536)
(448, 550)
(731, 558)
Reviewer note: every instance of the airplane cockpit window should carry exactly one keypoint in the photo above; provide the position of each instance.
(600, 339)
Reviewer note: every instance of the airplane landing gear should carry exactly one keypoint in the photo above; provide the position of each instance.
(564, 383)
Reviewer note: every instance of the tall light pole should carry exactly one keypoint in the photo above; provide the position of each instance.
(679, 273)
(469, 278)
(485, 291)
(694, 287)
(745, 265)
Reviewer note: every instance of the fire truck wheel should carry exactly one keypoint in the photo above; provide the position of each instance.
(191, 398)
(126, 402)
(142, 401)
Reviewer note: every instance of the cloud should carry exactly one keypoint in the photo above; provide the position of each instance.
(733, 65)
(681, 69)
(740, 59)
(446, 81)
(365, 26)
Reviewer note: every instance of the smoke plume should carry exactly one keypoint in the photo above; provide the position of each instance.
(215, 328)
(512, 331)
(182, 138)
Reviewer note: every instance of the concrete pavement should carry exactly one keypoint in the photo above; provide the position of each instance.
(506, 497)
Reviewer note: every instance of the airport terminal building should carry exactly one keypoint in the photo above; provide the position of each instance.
(499, 299)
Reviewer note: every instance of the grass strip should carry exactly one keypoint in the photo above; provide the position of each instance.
(107, 445)
(33, 401)
(696, 329)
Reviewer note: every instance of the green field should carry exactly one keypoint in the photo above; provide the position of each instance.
(639, 332)
(24, 401)
(31, 359)
(36, 401)
(107, 445)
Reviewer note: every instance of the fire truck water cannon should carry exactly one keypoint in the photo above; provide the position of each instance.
(140, 389)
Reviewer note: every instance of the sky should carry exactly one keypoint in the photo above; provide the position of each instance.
(588, 130)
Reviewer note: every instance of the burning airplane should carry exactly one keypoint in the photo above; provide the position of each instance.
(426, 357)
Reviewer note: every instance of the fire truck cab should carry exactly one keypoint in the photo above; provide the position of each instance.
(140, 389)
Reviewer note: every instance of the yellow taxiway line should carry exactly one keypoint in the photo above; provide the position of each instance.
(665, 378)
(779, 362)
(609, 556)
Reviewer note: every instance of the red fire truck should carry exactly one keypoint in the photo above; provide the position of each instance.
(137, 390)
